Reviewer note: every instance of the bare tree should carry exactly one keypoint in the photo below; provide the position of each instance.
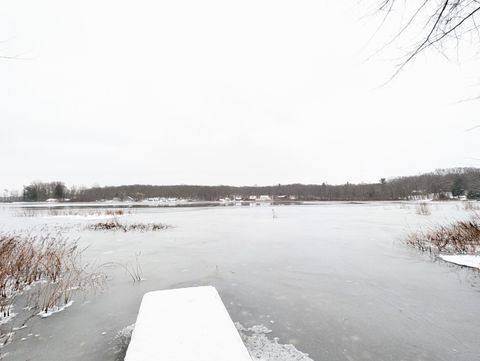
(431, 24)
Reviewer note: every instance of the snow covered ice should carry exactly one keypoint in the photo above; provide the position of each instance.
(472, 261)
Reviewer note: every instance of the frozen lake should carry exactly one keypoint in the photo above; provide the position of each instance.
(333, 279)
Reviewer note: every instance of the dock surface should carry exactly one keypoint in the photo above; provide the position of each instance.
(187, 324)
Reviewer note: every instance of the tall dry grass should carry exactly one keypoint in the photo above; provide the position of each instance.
(423, 209)
(471, 206)
(459, 237)
(49, 267)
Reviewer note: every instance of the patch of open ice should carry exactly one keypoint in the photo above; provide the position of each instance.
(54, 309)
(463, 260)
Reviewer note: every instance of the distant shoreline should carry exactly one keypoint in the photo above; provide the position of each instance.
(188, 204)
(444, 184)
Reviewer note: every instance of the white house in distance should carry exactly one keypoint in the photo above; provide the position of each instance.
(264, 198)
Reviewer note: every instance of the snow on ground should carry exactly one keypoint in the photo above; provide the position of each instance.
(261, 348)
(463, 260)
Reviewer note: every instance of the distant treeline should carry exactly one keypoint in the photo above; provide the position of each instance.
(40, 191)
(441, 184)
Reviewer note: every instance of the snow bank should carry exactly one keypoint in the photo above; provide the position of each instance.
(463, 260)
(188, 324)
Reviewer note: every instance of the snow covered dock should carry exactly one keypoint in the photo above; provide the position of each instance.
(187, 324)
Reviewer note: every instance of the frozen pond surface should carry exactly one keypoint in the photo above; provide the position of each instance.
(333, 280)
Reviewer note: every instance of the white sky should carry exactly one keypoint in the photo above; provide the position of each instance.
(220, 92)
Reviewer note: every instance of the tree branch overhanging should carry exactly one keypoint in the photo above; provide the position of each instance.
(432, 23)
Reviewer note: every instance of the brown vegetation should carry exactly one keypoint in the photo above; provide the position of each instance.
(32, 212)
(115, 225)
(48, 266)
(423, 209)
(471, 206)
(85, 213)
(459, 237)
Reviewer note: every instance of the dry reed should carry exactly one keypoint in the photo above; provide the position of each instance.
(115, 225)
(423, 209)
(471, 206)
(49, 267)
(459, 237)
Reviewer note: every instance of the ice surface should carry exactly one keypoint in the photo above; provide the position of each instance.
(463, 260)
(320, 271)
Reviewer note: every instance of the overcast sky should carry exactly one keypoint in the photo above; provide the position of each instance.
(221, 92)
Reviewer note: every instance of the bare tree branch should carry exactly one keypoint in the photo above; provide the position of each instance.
(426, 41)
(434, 23)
